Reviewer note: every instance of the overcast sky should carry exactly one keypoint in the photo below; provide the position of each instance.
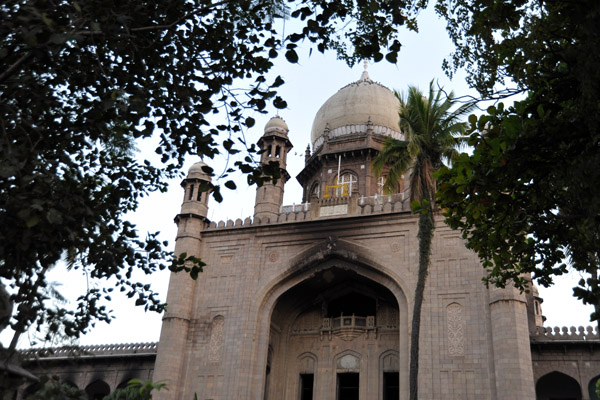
(308, 85)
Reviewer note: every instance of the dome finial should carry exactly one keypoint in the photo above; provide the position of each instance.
(365, 74)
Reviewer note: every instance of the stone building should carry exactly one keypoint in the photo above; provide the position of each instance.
(314, 301)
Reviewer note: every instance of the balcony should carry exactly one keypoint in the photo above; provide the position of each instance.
(348, 327)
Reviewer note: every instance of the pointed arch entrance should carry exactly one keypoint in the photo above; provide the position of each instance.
(329, 330)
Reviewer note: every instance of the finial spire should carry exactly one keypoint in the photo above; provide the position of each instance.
(365, 74)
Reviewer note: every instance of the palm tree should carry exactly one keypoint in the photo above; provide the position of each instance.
(433, 134)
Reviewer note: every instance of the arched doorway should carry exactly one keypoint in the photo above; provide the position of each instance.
(557, 386)
(328, 334)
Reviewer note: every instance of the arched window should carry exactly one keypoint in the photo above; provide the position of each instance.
(348, 179)
(380, 185)
(315, 190)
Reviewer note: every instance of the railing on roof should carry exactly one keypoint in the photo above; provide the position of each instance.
(357, 129)
(294, 208)
(93, 350)
(381, 199)
(555, 334)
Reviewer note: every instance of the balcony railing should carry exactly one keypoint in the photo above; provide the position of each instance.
(294, 208)
(348, 326)
(381, 199)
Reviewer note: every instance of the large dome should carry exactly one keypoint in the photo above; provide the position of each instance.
(354, 104)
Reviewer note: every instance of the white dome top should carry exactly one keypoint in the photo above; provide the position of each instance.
(276, 123)
(196, 171)
(354, 104)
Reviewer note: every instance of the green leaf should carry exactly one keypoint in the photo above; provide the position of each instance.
(230, 185)
(291, 56)
(279, 103)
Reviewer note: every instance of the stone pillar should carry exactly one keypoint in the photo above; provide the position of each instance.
(511, 346)
(171, 355)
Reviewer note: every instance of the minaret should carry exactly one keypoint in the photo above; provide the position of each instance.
(274, 145)
(191, 221)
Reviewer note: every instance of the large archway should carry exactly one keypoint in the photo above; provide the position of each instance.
(329, 334)
(557, 386)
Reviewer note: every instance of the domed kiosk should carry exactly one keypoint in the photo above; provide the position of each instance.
(347, 132)
(355, 106)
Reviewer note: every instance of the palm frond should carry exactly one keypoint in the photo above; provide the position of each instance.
(434, 132)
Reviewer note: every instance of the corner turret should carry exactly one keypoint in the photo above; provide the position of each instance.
(191, 221)
(195, 200)
(275, 145)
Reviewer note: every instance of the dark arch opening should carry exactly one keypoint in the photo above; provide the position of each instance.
(308, 315)
(31, 389)
(71, 384)
(557, 386)
(124, 383)
(592, 388)
(353, 303)
(97, 390)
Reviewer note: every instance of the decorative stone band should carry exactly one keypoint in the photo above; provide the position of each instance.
(92, 351)
(357, 129)
(545, 334)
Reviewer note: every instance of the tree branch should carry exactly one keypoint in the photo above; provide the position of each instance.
(10, 70)
(164, 26)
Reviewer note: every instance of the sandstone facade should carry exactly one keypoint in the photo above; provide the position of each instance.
(314, 301)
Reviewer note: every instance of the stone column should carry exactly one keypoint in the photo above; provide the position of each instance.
(511, 346)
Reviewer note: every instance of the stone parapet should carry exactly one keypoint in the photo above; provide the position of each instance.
(568, 334)
(340, 206)
(118, 349)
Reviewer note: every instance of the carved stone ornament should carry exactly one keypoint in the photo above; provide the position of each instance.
(215, 344)
(273, 256)
(455, 322)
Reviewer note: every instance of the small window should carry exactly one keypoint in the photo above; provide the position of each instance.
(306, 386)
(191, 193)
(347, 386)
(380, 185)
(278, 152)
(199, 195)
(315, 190)
(391, 385)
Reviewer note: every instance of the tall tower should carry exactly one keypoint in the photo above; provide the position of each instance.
(191, 221)
(275, 145)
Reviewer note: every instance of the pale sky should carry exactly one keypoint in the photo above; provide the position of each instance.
(308, 85)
